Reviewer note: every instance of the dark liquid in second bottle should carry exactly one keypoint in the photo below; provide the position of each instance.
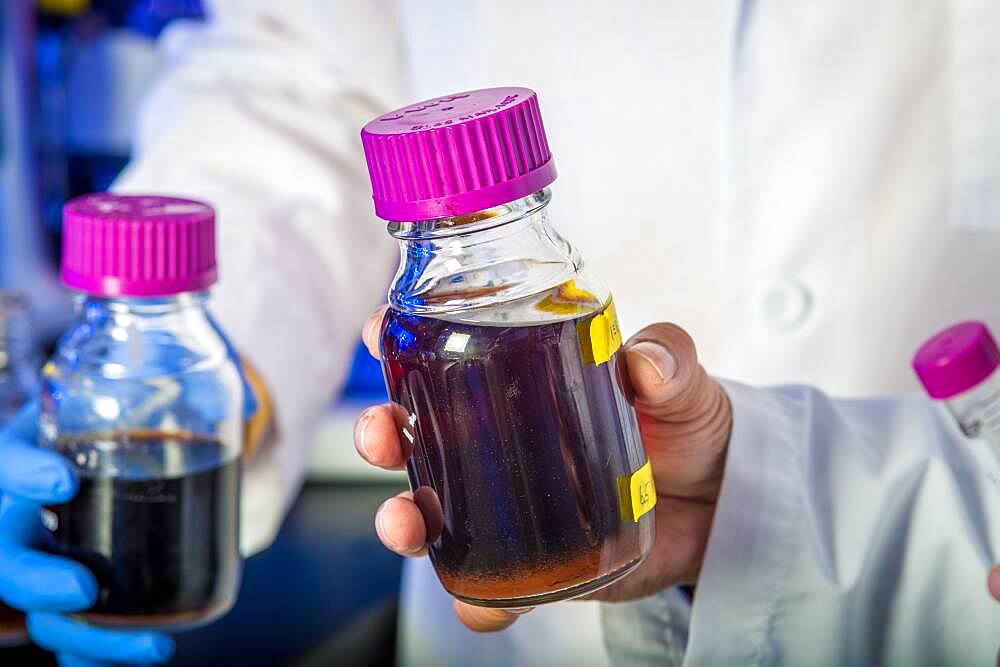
(164, 549)
(518, 443)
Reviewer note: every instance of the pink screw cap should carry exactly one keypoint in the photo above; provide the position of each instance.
(457, 154)
(117, 245)
(956, 359)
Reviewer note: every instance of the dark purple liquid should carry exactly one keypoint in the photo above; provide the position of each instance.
(517, 447)
(165, 551)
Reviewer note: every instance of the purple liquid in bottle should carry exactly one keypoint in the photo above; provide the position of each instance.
(164, 550)
(518, 444)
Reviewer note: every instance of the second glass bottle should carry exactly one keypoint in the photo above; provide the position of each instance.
(144, 397)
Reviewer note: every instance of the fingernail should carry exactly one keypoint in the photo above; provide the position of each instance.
(80, 588)
(160, 648)
(51, 480)
(520, 611)
(994, 582)
(380, 531)
(657, 356)
(371, 323)
(65, 486)
(88, 589)
(359, 433)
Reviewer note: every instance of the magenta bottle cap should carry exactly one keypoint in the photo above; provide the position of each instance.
(457, 154)
(117, 245)
(956, 359)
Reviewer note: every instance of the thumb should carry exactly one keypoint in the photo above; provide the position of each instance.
(684, 414)
(668, 382)
(993, 582)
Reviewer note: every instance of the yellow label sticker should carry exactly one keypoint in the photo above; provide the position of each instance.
(600, 336)
(636, 493)
(63, 7)
(568, 299)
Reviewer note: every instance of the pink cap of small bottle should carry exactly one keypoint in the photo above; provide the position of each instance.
(457, 154)
(956, 359)
(144, 246)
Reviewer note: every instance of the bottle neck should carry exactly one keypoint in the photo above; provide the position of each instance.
(525, 210)
(90, 304)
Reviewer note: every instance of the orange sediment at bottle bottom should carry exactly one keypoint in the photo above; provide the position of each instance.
(572, 570)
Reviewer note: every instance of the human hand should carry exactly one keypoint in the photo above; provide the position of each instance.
(686, 420)
(258, 409)
(47, 586)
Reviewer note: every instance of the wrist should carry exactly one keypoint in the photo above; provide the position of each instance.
(260, 423)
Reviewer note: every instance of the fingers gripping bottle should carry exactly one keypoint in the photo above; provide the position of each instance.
(502, 355)
(144, 397)
(959, 366)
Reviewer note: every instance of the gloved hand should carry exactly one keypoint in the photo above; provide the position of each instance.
(686, 420)
(47, 586)
(43, 585)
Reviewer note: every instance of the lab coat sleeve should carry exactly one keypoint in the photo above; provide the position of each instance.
(258, 112)
(847, 532)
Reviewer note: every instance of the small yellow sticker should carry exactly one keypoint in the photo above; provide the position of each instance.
(636, 493)
(600, 336)
(568, 299)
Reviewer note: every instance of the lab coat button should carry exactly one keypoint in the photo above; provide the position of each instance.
(785, 304)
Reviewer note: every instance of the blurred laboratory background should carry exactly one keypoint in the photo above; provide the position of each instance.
(71, 75)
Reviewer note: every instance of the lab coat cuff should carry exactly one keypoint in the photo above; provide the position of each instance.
(649, 632)
(753, 532)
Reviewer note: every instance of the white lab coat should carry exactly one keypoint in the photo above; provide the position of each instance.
(262, 121)
(848, 532)
(813, 186)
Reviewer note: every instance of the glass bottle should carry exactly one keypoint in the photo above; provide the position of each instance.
(18, 384)
(959, 367)
(144, 397)
(502, 355)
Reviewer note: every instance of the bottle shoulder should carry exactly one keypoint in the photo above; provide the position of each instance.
(126, 345)
(507, 273)
(127, 374)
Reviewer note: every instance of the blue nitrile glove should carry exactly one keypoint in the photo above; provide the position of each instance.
(47, 586)
(43, 585)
